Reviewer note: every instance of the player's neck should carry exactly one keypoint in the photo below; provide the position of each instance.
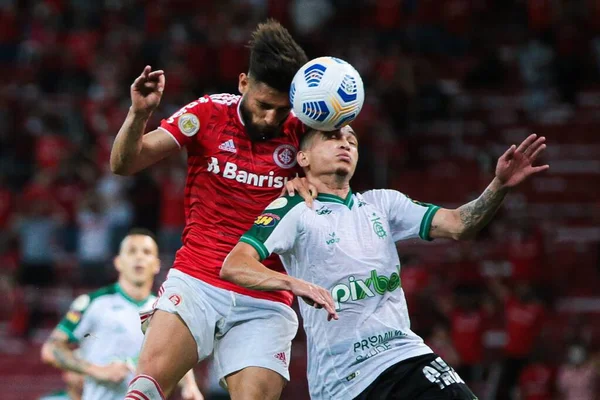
(137, 293)
(332, 184)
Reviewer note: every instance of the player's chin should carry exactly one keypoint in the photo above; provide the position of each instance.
(343, 169)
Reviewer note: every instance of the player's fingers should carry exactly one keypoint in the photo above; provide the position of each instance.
(508, 153)
(541, 168)
(162, 81)
(534, 146)
(313, 190)
(289, 187)
(139, 81)
(146, 71)
(537, 152)
(329, 301)
(306, 196)
(155, 74)
(526, 143)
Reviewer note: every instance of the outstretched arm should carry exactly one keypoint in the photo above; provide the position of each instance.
(513, 167)
(242, 267)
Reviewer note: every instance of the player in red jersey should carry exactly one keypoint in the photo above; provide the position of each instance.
(241, 152)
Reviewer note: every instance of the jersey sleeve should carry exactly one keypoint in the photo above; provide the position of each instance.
(189, 122)
(276, 229)
(78, 321)
(407, 218)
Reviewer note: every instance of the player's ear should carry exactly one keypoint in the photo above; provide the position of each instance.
(302, 159)
(117, 263)
(243, 83)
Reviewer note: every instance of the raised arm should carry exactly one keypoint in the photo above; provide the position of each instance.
(513, 167)
(57, 352)
(132, 150)
(242, 267)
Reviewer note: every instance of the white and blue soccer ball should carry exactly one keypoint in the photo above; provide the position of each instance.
(327, 93)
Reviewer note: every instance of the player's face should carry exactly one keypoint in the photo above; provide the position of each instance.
(333, 152)
(138, 260)
(263, 108)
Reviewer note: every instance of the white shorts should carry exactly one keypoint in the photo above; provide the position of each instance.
(241, 330)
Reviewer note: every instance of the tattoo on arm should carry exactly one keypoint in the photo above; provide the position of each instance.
(479, 212)
(64, 357)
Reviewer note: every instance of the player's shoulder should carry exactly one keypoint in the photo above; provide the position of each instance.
(223, 99)
(83, 301)
(284, 205)
(374, 195)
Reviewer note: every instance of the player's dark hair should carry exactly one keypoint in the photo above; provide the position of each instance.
(307, 138)
(143, 232)
(275, 57)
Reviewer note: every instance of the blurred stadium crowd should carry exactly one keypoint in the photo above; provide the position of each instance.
(450, 84)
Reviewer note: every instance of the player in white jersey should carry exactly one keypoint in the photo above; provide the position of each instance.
(105, 327)
(341, 255)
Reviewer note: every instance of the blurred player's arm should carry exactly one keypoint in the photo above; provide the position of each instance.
(189, 387)
(513, 167)
(57, 352)
(132, 150)
(242, 267)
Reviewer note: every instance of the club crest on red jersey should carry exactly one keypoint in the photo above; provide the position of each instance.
(285, 156)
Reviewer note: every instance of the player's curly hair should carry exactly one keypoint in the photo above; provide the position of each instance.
(275, 57)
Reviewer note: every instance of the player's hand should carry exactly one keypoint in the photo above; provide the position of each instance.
(315, 296)
(306, 190)
(115, 372)
(146, 91)
(191, 392)
(516, 164)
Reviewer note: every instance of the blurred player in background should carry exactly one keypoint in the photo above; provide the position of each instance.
(347, 244)
(74, 388)
(241, 152)
(105, 325)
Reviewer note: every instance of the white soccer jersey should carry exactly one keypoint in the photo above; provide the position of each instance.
(348, 246)
(106, 325)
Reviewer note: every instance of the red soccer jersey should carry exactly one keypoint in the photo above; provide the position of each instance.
(523, 324)
(536, 382)
(229, 183)
(467, 335)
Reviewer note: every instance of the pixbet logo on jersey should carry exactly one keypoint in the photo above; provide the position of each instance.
(359, 289)
(231, 171)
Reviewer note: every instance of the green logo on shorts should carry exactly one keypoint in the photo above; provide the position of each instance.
(359, 289)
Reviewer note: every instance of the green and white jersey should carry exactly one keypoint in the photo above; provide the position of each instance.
(348, 246)
(106, 326)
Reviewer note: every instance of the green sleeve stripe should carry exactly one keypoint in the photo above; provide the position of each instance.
(257, 244)
(68, 331)
(426, 223)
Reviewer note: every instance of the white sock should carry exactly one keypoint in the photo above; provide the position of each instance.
(144, 387)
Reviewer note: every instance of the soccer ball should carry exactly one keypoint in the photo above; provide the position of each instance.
(327, 93)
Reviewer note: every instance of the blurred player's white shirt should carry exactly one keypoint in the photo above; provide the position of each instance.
(106, 326)
(348, 246)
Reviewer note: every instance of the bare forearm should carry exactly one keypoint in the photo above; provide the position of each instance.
(245, 271)
(479, 212)
(64, 358)
(128, 143)
(188, 379)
